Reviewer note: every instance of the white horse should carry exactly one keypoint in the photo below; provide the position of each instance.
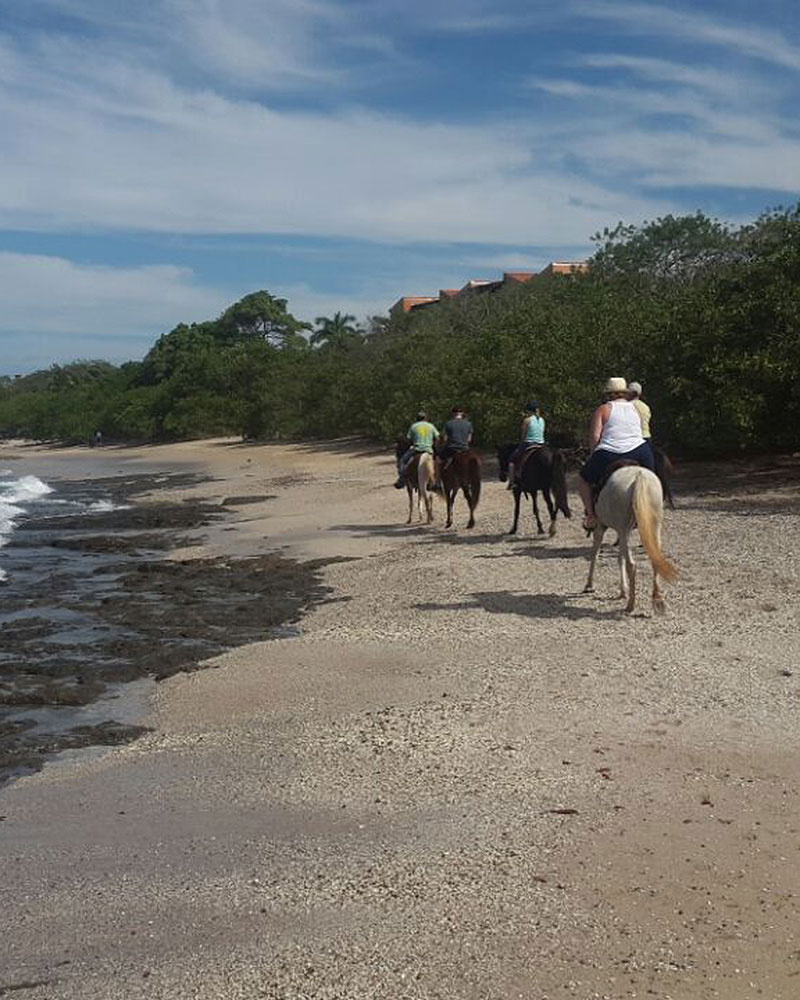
(418, 479)
(632, 497)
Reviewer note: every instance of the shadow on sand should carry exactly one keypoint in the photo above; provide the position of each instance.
(509, 602)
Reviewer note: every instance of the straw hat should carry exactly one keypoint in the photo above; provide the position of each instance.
(616, 385)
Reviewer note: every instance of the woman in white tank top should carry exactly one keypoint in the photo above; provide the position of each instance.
(615, 433)
(622, 429)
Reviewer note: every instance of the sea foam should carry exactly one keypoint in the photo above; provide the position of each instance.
(14, 494)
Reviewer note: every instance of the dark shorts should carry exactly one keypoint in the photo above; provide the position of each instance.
(600, 460)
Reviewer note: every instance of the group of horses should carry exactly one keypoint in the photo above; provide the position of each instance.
(632, 497)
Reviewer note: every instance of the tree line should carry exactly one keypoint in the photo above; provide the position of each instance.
(706, 316)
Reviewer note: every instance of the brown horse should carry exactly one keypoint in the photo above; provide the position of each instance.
(462, 471)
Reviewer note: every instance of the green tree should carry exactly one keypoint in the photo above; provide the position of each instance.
(336, 331)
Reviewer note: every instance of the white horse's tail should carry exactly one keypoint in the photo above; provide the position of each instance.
(647, 520)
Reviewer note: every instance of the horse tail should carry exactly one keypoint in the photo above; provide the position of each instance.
(559, 481)
(647, 520)
(475, 479)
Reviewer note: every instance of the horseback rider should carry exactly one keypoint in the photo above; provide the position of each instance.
(615, 433)
(532, 436)
(457, 436)
(422, 434)
(644, 411)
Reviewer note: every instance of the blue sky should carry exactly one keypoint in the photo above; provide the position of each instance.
(163, 158)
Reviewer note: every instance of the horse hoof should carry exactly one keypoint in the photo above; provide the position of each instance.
(588, 589)
(470, 524)
(552, 531)
(659, 607)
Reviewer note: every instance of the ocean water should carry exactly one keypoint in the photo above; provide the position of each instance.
(26, 498)
(18, 495)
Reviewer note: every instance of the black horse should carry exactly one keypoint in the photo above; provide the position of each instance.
(664, 471)
(543, 471)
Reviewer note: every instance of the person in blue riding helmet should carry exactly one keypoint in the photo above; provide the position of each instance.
(532, 436)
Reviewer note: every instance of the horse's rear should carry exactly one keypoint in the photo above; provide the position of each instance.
(419, 473)
(462, 472)
(632, 497)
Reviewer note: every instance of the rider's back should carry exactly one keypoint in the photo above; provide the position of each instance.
(534, 430)
(422, 434)
(458, 431)
(622, 431)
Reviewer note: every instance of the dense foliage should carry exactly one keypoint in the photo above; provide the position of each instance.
(706, 317)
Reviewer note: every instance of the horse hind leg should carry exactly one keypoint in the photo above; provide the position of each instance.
(513, 529)
(627, 570)
(410, 505)
(659, 607)
(467, 491)
(552, 511)
(539, 528)
(450, 497)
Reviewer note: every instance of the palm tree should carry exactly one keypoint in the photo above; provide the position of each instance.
(336, 331)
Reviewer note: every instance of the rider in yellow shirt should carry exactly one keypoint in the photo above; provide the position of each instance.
(423, 435)
(644, 411)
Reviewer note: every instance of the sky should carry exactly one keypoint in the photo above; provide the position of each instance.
(161, 159)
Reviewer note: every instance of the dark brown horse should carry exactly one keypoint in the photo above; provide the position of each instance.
(544, 471)
(461, 472)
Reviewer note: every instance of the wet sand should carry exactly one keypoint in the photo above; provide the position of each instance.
(464, 779)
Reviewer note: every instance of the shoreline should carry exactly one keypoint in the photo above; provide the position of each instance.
(463, 779)
(94, 601)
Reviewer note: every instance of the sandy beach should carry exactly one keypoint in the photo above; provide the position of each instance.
(461, 779)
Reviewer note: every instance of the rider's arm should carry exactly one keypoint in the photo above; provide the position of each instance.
(599, 418)
(524, 430)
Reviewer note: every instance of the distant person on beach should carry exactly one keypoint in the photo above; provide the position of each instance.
(98, 438)
(423, 435)
(531, 436)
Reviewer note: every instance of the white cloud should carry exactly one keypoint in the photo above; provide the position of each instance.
(81, 309)
(100, 136)
(132, 150)
(748, 39)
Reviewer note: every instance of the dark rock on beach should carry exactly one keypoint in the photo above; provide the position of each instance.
(92, 603)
